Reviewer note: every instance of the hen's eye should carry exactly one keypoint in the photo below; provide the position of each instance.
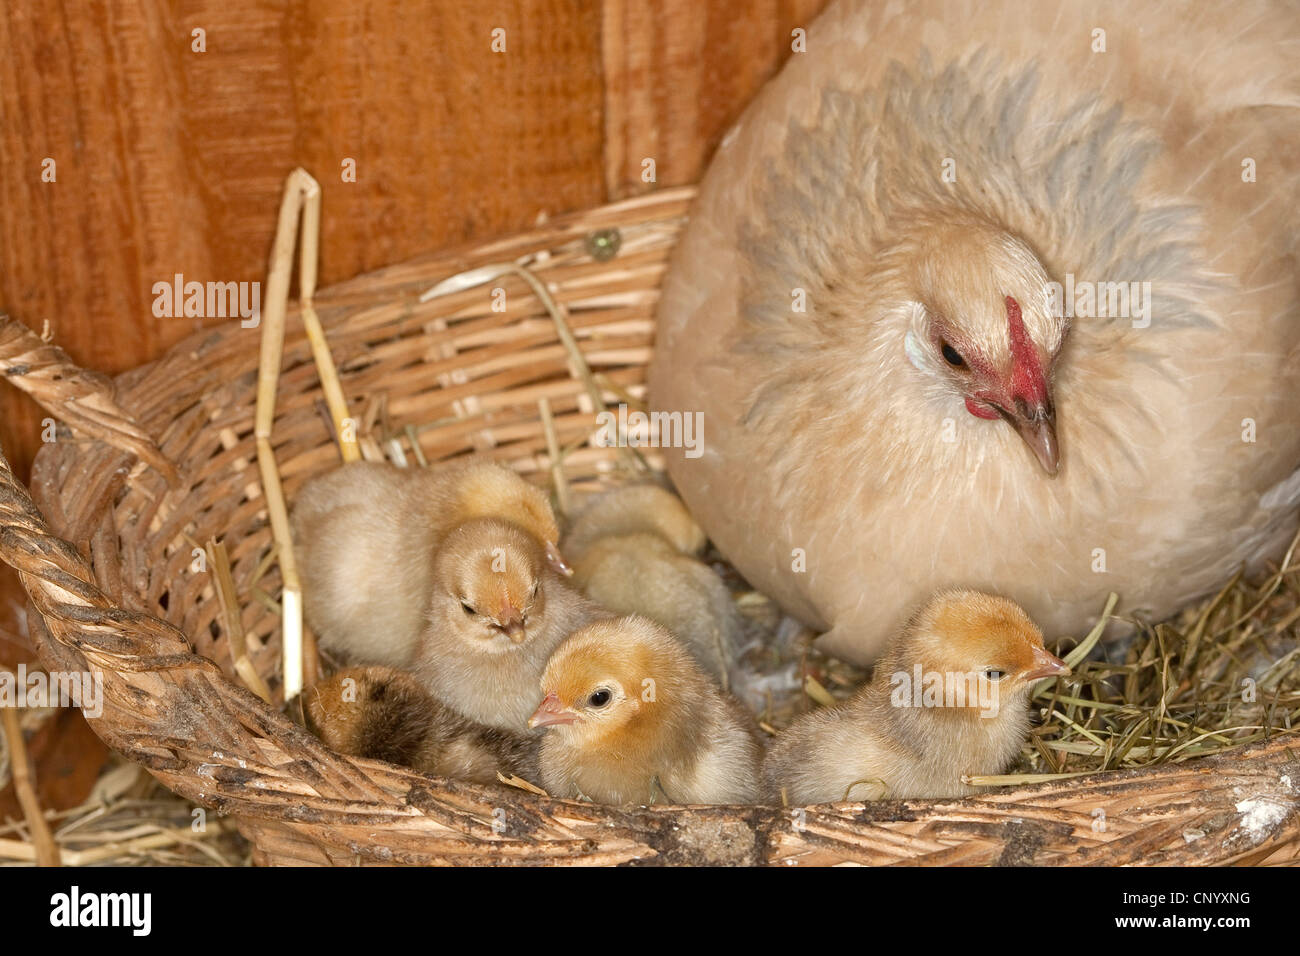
(952, 356)
(994, 674)
(467, 609)
(599, 699)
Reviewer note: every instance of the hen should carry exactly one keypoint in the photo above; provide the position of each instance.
(998, 295)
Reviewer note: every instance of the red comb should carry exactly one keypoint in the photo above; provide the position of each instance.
(1027, 379)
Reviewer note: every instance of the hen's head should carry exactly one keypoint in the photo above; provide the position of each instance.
(982, 328)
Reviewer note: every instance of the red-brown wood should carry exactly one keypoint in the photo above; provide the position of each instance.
(172, 161)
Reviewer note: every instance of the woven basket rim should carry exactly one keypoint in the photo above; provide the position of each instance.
(302, 803)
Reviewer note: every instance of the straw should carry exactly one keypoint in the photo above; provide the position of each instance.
(44, 850)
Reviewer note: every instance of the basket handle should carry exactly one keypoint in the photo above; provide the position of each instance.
(61, 586)
(86, 400)
(78, 622)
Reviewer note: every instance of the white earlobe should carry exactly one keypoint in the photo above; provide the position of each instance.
(915, 352)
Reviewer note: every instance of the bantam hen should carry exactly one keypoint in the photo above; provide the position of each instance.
(999, 295)
(384, 714)
(949, 697)
(494, 612)
(365, 536)
(631, 718)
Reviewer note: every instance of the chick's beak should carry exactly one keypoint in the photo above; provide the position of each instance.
(1046, 664)
(551, 712)
(511, 621)
(556, 560)
(1036, 424)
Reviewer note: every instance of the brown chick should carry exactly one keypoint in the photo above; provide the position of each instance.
(365, 536)
(949, 697)
(494, 613)
(632, 551)
(632, 719)
(384, 714)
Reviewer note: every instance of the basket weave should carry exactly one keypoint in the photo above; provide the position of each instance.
(124, 598)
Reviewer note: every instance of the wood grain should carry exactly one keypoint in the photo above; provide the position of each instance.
(172, 161)
(678, 74)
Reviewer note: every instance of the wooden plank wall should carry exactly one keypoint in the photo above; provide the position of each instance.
(168, 159)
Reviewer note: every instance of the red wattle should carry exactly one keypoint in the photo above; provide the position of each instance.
(979, 410)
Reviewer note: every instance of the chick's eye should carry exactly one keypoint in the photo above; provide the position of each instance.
(994, 674)
(952, 356)
(464, 606)
(599, 699)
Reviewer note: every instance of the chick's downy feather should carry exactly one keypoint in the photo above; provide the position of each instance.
(495, 611)
(869, 306)
(948, 698)
(385, 714)
(631, 718)
(365, 536)
(635, 509)
(633, 551)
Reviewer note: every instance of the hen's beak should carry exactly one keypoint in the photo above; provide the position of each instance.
(556, 560)
(1036, 424)
(551, 712)
(1046, 664)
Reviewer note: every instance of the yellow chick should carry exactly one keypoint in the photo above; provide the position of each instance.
(365, 536)
(631, 718)
(384, 714)
(633, 551)
(949, 697)
(494, 612)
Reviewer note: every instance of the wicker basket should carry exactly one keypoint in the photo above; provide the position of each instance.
(128, 599)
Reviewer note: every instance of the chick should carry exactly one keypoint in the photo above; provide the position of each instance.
(365, 536)
(632, 509)
(949, 697)
(633, 719)
(384, 714)
(633, 552)
(494, 613)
